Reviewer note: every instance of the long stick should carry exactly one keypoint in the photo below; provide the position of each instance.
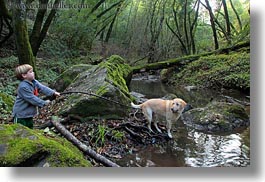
(87, 93)
(87, 150)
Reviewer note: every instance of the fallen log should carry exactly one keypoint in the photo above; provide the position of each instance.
(87, 150)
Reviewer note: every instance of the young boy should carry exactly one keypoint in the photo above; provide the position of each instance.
(27, 99)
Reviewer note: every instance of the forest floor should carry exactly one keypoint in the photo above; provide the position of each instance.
(113, 139)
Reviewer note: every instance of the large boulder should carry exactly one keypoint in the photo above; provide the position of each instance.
(23, 147)
(109, 79)
(68, 76)
(217, 117)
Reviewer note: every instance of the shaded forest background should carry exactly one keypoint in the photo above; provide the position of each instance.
(135, 29)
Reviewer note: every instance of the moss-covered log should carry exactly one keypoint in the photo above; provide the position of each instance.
(187, 59)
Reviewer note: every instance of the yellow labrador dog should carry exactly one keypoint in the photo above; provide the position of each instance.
(170, 109)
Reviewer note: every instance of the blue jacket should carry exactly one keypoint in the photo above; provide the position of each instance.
(26, 102)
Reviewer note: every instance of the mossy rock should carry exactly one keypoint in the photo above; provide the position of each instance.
(164, 75)
(217, 117)
(20, 146)
(68, 76)
(109, 79)
(119, 72)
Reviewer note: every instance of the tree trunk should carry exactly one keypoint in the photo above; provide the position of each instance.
(193, 26)
(87, 150)
(24, 51)
(129, 32)
(5, 18)
(103, 51)
(228, 29)
(216, 44)
(185, 23)
(38, 36)
(184, 49)
(112, 23)
(10, 28)
(34, 37)
(96, 6)
(155, 30)
(237, 16)
(106, 10)
(3, 10)
(185, 26)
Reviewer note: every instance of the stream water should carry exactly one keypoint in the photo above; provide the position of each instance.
(191, 148)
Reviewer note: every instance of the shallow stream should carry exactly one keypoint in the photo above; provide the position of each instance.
(191, 148)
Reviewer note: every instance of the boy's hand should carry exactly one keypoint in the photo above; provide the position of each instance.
(53, 96)
(47, 102)
(57, 94)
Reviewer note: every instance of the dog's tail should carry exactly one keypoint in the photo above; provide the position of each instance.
(136, 106)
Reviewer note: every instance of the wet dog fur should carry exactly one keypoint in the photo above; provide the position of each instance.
(171, 110)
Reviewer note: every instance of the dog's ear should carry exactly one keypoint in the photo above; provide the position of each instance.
(183, 103)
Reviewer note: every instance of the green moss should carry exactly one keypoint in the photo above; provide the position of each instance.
(102, 90)
(228, 71)
(22, 143)
(118, 73)
(237, 111)
(6, 101)
(220, 113)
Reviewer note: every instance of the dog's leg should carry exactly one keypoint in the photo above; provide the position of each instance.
(148, 115)
(155, 123)
(169, 125)
(168, 119)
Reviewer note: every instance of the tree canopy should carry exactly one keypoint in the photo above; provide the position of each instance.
(155, 30)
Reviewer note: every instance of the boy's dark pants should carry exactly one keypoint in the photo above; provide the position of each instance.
(25, 121)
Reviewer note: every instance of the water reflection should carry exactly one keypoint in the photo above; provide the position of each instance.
(189, 147)
(195, 149)
(216, 150)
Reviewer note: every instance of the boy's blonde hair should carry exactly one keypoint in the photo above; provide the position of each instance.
(22, 69)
